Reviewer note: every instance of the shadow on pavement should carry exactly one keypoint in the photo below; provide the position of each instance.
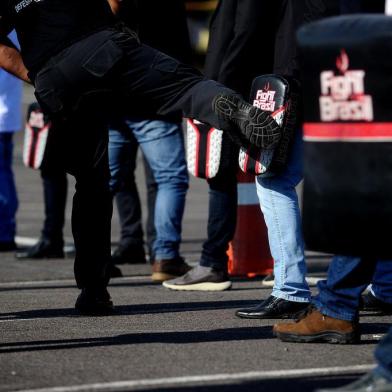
(183, 337)
(124, 310)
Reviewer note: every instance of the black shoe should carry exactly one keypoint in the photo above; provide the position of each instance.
(115, 272)
(94, 302)
(273, 308)
(371, 303)
(370, 382)
(200, 279)
(7, 246)
(129, 254)
(43, 249)
(257, 126)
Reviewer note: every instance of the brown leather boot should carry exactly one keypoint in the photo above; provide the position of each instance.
(168, 269)
(316, 327)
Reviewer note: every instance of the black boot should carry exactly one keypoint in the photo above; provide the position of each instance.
(94, 302)
(255, 125)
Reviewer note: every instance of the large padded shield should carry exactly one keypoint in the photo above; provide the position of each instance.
(347, 84)
(208, 149)
(279, 96)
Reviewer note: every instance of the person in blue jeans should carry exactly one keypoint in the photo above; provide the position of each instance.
(166, 29)
(123, 159)
(163, 147)
(10, 122)
(234, 33)
(333, 318)
(279, 204)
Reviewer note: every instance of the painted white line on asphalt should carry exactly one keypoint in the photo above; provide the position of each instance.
(18, 319)
(257, 375)
(34, 283)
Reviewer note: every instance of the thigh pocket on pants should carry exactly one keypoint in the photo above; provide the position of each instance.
(49, 89)
(50, 101)
(103, 59)
(164, 63)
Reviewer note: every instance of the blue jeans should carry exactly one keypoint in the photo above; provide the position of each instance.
(8, 197)
(279, 204)
(340, 294)
(381, 286)
(163, 147)
(383, 356)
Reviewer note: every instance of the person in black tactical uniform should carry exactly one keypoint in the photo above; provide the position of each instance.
(85, 65)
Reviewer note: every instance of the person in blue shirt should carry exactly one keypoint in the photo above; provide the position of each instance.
(10, 122)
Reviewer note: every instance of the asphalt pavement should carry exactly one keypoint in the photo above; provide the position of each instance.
(160, 340)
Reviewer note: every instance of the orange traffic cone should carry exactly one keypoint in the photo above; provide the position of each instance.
(249, 253)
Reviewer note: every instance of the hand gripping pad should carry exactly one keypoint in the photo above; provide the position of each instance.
(207, 148)
(272, 93)
(36, 136)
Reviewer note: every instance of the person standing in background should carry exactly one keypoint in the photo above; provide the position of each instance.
(240, 49)
(50, 244)
(10, 122)
(123, 149)
(161, 140)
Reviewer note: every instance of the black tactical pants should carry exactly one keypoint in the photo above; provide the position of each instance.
(110, 73)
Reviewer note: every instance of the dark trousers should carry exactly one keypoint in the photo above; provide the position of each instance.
(129, 210)
(55, 186)
(92, 203)
(152, 189)
(222, 213)
(124, 75)
(79, 147)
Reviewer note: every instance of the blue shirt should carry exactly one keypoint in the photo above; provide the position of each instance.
(10, 99)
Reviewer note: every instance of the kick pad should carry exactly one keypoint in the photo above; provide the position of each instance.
(36, 136)
(347, 84)
(207, 149)
(274, 94)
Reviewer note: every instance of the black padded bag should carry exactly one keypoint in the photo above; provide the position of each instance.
(347, 85)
